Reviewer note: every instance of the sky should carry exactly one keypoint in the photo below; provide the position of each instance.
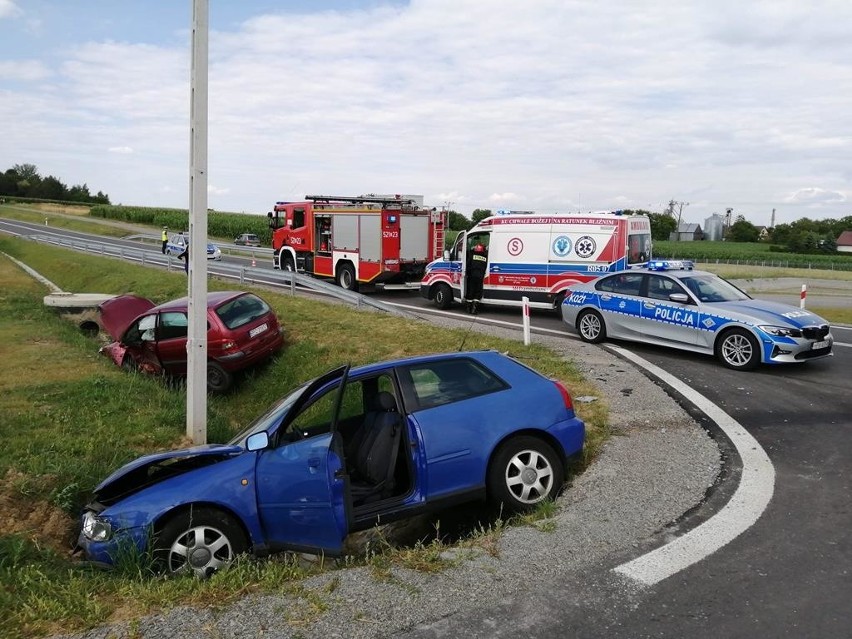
(545, 105)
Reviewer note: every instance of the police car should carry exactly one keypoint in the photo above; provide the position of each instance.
(668, 303)
(178, 242)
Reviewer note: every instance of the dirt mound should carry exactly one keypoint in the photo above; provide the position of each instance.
(41, 522)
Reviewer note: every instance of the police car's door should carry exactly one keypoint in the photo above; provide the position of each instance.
(667, 320)
(620, 301)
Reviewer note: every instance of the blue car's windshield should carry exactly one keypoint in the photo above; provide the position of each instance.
(710, 288)
(272, 417)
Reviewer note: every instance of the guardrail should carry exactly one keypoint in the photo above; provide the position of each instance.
(225, 270)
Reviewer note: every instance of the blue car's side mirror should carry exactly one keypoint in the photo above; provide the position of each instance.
(258, 441)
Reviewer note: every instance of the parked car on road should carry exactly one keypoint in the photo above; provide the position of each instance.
(670, 304)
(340, 453)
(178, 242)
(247, 239)
(241, 331)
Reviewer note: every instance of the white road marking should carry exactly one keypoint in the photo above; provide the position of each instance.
(745, 507)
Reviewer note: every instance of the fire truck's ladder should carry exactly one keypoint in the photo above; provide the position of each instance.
(438, 223)
(359, 199)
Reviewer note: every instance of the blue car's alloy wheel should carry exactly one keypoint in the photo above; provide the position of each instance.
(200, 541)
(524, 472)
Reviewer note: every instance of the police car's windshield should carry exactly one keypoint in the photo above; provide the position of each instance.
(710, 288)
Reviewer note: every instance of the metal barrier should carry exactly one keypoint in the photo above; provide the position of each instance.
(225, 270)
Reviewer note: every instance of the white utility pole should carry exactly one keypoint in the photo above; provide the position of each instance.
(196, 374)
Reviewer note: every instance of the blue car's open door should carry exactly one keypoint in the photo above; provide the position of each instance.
(302, 485)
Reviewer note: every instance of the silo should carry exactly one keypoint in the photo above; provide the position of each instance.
(714, 227)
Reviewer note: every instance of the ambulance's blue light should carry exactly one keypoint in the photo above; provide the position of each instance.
(670, 265)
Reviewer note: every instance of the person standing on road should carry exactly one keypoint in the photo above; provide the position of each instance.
(165, 238)
(476, 266)
(185, 257)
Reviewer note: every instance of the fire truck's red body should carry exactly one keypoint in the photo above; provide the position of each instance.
(357, 240)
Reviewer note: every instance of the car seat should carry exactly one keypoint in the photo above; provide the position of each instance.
(372, 453)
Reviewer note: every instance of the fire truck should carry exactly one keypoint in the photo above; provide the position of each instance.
(357, 241)
(538, 256)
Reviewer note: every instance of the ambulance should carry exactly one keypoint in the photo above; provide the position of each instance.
(538, 256)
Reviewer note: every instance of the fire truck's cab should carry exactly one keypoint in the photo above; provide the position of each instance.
(357, 240)
(537, 256)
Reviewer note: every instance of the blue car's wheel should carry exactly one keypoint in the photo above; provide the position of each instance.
(524, 472)
(199, 540)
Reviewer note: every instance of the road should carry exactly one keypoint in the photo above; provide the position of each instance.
(790, 575)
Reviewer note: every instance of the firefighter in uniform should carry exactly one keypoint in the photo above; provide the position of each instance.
(165, 238)
(477, 262)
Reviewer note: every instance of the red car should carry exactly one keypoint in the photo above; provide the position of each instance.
(241, 331)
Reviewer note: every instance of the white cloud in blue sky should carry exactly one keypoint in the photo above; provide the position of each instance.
(546, 105)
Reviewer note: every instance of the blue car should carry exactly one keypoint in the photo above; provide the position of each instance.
(341, 453)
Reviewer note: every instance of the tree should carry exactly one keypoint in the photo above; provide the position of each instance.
(479, 215)
(28, 172)
(458, 222)
(50, 188)
(743, 231)
(662, 225)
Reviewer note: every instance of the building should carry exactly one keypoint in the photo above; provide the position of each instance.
(714, 228)
(844, 242)
(687, 233)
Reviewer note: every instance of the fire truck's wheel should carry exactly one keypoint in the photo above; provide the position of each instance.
(288, 263)
(591, 327)
(443, 296)
(346, 277)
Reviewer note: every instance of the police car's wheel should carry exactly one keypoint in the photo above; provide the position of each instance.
(199, 541)
(346, 278)
(591, 327)
(738, 349)
(443, 296)
(524, 472)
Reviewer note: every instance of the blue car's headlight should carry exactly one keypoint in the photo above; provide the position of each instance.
(781, 331)
(96, 528)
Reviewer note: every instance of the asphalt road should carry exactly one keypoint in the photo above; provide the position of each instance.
(790, 575)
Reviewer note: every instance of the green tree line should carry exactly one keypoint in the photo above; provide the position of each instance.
(25, 181)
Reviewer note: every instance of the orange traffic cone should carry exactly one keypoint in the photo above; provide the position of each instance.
(253, 262)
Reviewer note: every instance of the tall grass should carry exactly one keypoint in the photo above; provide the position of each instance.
(69, 417)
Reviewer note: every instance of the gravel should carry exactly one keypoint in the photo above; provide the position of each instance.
(658, 465)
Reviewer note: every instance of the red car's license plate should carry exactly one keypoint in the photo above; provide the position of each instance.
(257, 330)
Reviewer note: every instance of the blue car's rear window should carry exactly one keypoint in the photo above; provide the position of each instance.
(442, 382)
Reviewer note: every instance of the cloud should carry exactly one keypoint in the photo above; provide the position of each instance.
(121, 150)
(215, 190)
(815, 196)
(482, 104)
(23, 70)
(9, 9)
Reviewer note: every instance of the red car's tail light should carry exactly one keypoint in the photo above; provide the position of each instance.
(566, 396)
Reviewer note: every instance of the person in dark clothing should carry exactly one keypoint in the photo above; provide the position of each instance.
(477, 264)
(185, 257)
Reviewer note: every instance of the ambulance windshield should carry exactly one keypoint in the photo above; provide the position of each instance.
(638, 248)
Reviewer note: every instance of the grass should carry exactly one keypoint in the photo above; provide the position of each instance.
(70, 417)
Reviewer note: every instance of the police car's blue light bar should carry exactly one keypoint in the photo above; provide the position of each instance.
(671, 265)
